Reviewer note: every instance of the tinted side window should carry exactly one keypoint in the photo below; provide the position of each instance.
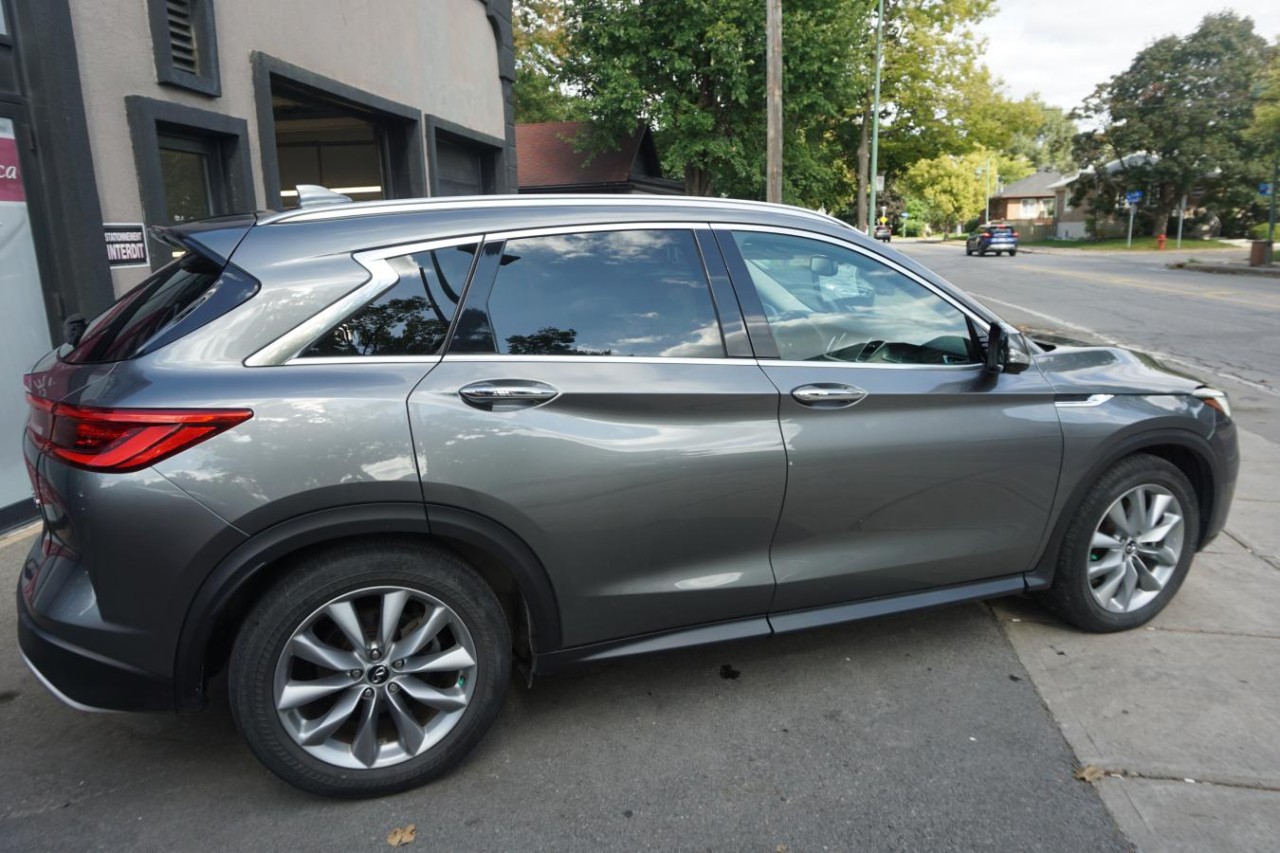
(177, 299)
(411, 318)
(828, 303)
(621, 293)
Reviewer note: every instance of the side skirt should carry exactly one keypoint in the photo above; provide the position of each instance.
(778, 623)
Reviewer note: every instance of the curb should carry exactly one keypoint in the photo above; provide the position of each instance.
(1222, 269)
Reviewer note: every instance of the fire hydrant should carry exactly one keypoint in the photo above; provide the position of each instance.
(1160, 238)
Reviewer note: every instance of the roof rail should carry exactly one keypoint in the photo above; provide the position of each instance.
(314, 195)
(389, 206)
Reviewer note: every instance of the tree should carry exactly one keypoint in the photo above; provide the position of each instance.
(1049, 145)
(540, 46)
(929, 68)
(694, 70)
(1183, 103)
(953, 188)
(1264, 132)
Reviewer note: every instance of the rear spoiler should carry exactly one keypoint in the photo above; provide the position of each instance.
(215, 239)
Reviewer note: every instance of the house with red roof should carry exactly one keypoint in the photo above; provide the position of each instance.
(549, 162)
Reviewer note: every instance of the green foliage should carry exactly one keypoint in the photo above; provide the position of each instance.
(540, 46)
(1185, 101)
(950, 189)
(695, 71)
(1049, 145)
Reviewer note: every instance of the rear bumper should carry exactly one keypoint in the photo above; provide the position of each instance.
(84, 679)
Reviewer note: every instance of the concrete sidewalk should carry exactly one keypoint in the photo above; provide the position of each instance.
(1182, 717)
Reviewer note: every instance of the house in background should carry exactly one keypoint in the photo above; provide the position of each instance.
(548, 162)
(1030, 204)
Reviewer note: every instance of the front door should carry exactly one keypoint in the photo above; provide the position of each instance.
(588, 404)
(909, 467)
(24, 325)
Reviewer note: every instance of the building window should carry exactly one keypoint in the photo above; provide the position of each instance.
(4, 26)
(462, 162)
(185, 44)
(194, 176)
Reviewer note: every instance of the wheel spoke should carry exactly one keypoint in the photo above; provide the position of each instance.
(1102, 540)
(392, 606)
(298, 693)
(318, 731)
(365, 744)
(421, 635)
(1119, 519)
(448, 661)
(308, 647)
(1130, 582)
(411, 734)
(1157, 534)
(1147, 582)
(1137, 510)
(344, 616)
(450, 699)
(1155, 512)
(1107, 590)
(1107, 564)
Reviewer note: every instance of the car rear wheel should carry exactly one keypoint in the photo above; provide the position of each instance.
(968, 251)
(1128, 547)
(370, 669)
(1013, 252)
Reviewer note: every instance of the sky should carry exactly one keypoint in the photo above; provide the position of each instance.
(1064, 50)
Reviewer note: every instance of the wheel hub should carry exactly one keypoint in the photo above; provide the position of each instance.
(378, 674)
(1135, 548)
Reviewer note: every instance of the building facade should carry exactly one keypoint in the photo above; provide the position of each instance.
(116, 115)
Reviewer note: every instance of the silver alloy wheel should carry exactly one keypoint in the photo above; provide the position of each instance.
(375, 677)
(1135, 548)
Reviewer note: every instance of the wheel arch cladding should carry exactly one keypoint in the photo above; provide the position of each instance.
(498, 556)
(1185, 450)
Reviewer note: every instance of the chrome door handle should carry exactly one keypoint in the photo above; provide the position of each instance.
(828, 395)
(507, 393)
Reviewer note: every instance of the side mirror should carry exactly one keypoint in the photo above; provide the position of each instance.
(997, 348)
(822, 265)
(1006, 353)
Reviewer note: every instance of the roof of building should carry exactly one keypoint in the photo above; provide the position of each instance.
(546, 157)
(1039, 185)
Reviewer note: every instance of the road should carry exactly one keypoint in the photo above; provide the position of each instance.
(1222, 328)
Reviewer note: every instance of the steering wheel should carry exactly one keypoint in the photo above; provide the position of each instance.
(869, 350)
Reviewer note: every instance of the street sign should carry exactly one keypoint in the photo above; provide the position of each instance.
(1133, 196)
(1264, 190)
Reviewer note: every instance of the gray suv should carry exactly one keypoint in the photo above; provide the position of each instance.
(366, 458)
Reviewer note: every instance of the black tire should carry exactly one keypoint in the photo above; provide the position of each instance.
(968, 251)
(1070, 596)
(1013, 252)
(321, 579)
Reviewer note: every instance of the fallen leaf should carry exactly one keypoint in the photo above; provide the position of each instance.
(402, 835)
(1089, 773)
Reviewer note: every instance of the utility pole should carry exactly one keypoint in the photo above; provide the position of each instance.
(773, 98)
(875, 110)
(1271, 222)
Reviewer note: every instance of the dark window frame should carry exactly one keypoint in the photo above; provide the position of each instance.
(403, 155)
(208, 80)
(494, 165)
(149, 120)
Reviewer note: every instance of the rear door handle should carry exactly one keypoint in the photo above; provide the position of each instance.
(501, 394)
(828, 395)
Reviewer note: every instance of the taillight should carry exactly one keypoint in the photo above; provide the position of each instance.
(121, 440)
(986, 234)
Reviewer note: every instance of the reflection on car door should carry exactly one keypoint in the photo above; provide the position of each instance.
(640, 462)
(908, 466)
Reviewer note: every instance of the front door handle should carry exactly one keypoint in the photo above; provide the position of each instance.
(828, 395)
(502, 394)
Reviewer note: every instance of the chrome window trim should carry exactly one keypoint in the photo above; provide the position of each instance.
(969, 312)
(777, 362)
(596, 359)
(372, 208)
(1088, 403)
(287, 348)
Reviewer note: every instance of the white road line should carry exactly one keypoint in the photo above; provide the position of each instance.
(1110, 341)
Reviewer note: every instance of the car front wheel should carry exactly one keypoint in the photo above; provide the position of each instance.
(370, 669)
(1128, 547)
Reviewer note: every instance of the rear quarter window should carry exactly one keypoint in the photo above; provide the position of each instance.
(175, 301)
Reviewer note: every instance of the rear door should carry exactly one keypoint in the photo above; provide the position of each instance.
(909, 466)
(600, 400)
